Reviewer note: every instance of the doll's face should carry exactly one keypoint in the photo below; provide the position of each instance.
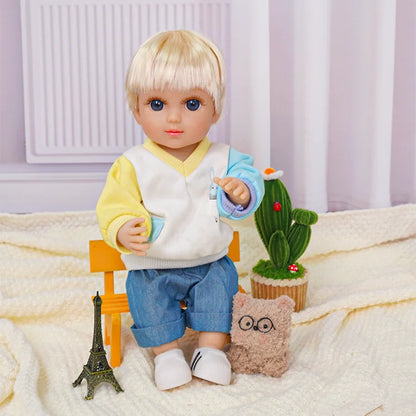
(175, 119)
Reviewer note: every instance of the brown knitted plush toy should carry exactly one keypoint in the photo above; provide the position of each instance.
(260, 335)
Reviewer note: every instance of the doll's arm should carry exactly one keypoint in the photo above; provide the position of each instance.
(119, 204)
(240, 167)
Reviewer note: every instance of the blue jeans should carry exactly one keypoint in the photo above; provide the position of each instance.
(154, 297)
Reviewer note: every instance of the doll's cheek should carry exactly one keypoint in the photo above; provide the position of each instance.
(264, 339)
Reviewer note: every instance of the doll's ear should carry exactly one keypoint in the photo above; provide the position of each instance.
(215, 117)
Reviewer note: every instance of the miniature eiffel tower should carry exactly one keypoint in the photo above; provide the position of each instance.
(97, 368)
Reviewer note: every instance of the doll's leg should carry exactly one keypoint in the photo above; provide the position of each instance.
(210, 308)
(158, 323)
(212, 339)
(160, 349)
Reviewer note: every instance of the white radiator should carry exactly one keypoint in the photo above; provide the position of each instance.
(76, 54)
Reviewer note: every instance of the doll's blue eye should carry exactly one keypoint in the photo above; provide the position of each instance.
(156, 105)
(193, 104)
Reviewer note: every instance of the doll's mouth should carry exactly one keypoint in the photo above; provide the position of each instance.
(174, 132)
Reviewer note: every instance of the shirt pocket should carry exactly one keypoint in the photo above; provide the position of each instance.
(157, 226)
(212, 210)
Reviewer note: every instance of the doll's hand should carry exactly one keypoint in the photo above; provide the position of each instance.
(237, 190)
(131, 236)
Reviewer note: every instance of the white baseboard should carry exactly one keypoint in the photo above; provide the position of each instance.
(50, 191)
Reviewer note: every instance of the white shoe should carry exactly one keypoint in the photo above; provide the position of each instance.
(212, 365)
(171, 370)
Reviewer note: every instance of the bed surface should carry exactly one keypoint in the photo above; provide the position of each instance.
(352, 350)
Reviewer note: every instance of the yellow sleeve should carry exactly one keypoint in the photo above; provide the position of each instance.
(120, 201)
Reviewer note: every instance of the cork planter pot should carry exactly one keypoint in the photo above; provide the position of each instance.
(266, 288)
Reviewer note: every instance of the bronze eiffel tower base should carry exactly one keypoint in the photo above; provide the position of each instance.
(94, 378)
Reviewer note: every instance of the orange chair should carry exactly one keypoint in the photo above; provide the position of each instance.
(104, 258)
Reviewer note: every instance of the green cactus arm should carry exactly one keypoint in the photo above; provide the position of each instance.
(305, 217)
(298, 240)
(279, 250)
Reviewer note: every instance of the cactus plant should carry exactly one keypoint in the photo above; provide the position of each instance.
(285, 232)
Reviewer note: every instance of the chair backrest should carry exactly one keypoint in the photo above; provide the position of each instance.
(104, 258)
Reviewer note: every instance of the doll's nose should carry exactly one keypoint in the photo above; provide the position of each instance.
(174, 116)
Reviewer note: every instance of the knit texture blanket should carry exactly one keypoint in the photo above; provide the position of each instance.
(352, 350)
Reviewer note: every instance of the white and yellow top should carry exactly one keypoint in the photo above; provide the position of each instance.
(181, 205)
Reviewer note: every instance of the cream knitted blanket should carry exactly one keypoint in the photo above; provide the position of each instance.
(353, 349)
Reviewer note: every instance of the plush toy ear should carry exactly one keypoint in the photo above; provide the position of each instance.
(286, 302)
(240, 299)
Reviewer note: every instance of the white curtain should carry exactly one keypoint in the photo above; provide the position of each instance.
(343, 107)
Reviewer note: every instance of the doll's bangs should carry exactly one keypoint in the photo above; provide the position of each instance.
(178, 74)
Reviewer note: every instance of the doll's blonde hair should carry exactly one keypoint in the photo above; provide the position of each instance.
(179, 60)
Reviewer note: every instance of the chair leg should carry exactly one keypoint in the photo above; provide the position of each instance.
(115, 358)
(107, 329)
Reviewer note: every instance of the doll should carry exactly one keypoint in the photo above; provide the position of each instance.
(163, 201)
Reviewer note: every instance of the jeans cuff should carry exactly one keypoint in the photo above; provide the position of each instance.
(210, 322)
(160, 334)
